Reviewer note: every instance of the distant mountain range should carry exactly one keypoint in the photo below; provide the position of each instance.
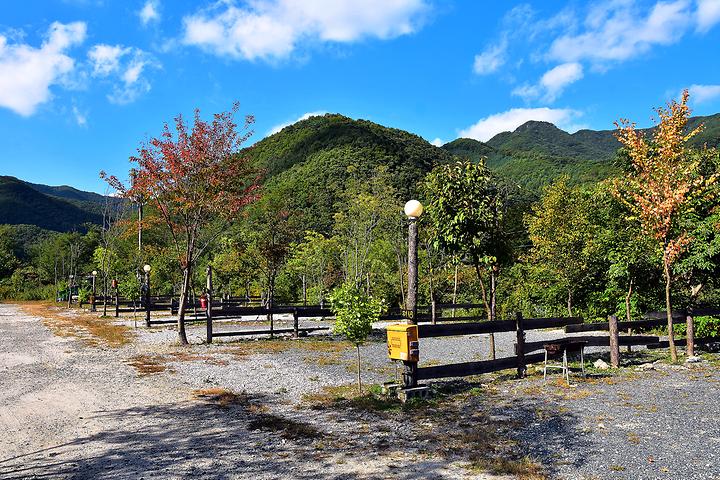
(309, 161)
(52, 208)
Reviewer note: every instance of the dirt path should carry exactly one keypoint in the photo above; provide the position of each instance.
(73, 410)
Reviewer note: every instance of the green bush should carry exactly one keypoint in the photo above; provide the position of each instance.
(705, 327)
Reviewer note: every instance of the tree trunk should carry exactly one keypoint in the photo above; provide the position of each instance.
(357, 347)
(482, 290)
(181, 308)
(668, 311)
(454, 301)
(493, 286)
(628, 315)
(105, 296)
(690, 334)
(569, 303)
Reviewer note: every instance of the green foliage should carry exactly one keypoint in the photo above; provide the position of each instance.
(460, 207)
(705, 327)
(565, 237)
(355, 311)
(129, 287)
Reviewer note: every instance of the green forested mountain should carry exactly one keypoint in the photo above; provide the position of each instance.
(23, 203)
(311, 161)
(537, 152)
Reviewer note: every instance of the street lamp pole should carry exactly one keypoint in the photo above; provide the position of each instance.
(147, 269)
(413, 210)
(92, 297)
(70, 287)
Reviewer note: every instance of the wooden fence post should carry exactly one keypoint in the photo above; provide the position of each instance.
(208, 309)
(296, 323)
(690, 334)
(520, 346)
(614, 341)
(117, 303)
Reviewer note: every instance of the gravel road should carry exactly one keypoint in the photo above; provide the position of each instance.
(73, 408)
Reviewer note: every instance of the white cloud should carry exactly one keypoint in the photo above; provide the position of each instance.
(508, 121)
(125, 67)
(105, 59)
(273, 29)
(619, 30)
(149, 12)
(438, 142)
(703, 93)
(80, 117)
(304, 116)
(491, 59)
(708, 14)
(555, 80)
(552, 83)
(26, 73)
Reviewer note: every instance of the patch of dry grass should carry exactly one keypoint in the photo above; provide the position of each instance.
(88, 327)
(220, 396)
(244, 348)
(288, 428)
(147, 364)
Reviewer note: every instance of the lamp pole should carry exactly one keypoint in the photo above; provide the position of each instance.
(413, 210)
(70, 287)
(147, 269)
(92, 297)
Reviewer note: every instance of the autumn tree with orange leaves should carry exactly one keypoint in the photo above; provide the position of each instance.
(198, 182)
(662, 186)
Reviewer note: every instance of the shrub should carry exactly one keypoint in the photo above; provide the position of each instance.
(705, 327)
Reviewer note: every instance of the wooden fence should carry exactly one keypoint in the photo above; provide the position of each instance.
(524, 351)
(519, 361)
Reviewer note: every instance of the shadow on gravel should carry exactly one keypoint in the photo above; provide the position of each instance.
(209, 439)
(468, 422)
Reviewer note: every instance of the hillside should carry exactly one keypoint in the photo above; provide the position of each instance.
(536, 152)
(309, 160)
(21, 203)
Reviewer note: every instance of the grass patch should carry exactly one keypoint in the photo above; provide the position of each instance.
(288, 429)
(220, 396)
(523, 469)
(147, 364)
(88, 327)
(372, 399)
(244, 348)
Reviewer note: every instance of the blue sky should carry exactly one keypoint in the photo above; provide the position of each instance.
(83, 82)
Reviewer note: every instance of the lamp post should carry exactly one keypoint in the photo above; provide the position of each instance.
(92, 297)
(413, 210)
(146, 269)
(70, 287)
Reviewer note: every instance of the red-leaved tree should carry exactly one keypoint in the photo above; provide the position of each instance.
(198, 182)
(663, 186)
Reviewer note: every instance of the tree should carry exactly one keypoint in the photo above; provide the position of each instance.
(355, 311)
(198, 182)
(663, 184)
(313, 259)
(466, 217)
(563, 236)
(271, 229)
(363, 222)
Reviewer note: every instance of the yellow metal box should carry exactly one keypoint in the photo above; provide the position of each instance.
(402, 340)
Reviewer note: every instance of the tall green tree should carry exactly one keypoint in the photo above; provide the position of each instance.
(466, 210)
(564, 237)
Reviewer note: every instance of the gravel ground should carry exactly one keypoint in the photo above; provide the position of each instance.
(69, 409)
